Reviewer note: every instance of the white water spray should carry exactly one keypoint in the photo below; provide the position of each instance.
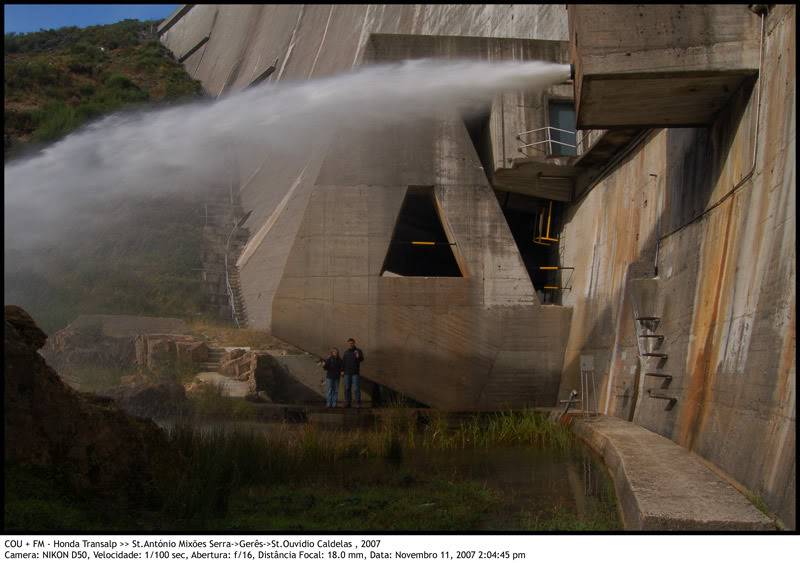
(162, 151)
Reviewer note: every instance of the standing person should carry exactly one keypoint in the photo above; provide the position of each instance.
(333, 369)
(351, 360)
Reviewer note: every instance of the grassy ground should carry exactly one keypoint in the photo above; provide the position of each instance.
(600, 517)
(398, 502)
(393, 505)
(223, 335)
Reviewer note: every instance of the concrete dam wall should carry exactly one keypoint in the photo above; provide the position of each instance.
(679, 231)
(677, 227)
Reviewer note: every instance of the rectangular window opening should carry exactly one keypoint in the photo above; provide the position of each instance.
(562, 116)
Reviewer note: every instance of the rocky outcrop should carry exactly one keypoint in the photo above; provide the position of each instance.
(163, 352)
(125, 343)
(89, 440)
(86, 344)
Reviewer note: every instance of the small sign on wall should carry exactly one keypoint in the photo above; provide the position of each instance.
(588, 389)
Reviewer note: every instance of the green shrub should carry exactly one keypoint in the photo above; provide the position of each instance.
(54, 121)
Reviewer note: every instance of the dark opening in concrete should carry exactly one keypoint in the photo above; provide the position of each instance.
(527, 220)
(477, 125)
(419, 245)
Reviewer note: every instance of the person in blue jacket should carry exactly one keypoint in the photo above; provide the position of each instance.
(333, 369)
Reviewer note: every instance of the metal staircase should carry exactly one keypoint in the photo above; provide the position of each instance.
(224, 239)
(238, 307)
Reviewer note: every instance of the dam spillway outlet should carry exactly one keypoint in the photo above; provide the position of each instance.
(419, 244)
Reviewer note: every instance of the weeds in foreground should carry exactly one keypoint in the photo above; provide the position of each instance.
(510, 428)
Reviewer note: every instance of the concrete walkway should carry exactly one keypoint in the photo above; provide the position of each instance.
(662, 486)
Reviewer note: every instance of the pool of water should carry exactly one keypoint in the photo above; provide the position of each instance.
(533, 484)
(536, 489)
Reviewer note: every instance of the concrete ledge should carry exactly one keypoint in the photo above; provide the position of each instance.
(662, 486)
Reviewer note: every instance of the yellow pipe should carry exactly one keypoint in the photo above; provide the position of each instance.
(549, 214)
(548, 267)
(422, 242)
(550, 287)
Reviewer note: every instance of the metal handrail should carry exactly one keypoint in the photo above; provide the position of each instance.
(547, 141)
(231, 300)
(543, 128)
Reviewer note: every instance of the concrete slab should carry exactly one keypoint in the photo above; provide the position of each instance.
(662, 486)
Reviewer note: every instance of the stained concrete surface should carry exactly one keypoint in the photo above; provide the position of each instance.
(661, 486)
(726, 281)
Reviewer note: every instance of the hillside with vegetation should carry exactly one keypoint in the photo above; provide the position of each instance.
(59, 79)
(147, 262)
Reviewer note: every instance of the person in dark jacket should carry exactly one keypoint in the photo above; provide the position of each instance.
(351, 361)
(333, 369)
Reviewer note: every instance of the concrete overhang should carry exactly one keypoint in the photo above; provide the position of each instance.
(538, 177)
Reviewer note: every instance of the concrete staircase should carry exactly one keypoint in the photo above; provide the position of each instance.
(214, 360)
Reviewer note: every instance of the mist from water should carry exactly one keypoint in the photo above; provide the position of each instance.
(175, 148)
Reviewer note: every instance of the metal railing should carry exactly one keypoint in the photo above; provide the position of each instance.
(548, 141)
(231, 298)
